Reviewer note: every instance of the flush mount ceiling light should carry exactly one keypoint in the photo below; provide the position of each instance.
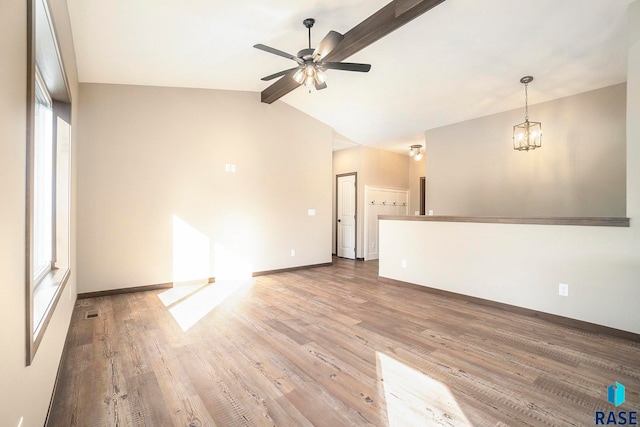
(527, 135)
(415, 152)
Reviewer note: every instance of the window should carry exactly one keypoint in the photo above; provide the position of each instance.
(48, 176)
(42, 183)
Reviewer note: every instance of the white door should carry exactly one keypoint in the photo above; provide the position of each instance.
(346, 227)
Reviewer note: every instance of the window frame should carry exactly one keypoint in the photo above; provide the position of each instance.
(44, 65)
(42, 270)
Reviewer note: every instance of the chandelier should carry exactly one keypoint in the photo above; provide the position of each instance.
(527, 135)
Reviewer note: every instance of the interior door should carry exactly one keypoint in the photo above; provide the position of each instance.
(346, 217)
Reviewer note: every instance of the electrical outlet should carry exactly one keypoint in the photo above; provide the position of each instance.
(403, 263)
(430, 212)
(563, 289)
(293, 252)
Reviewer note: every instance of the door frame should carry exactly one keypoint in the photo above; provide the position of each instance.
(423, 195)
(335, 221)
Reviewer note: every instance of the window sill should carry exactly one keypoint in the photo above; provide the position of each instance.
(46, 295)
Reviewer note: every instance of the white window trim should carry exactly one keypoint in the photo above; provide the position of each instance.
(43, 295)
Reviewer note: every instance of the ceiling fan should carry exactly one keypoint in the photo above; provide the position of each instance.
(311, 65)
(386, 20)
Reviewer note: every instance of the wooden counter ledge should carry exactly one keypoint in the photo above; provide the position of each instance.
(585, 221)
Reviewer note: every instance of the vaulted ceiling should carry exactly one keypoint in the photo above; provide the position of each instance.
(461, 60)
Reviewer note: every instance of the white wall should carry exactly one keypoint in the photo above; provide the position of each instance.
(523, 264)
(25, 391)
(579, 171)
(150, 154)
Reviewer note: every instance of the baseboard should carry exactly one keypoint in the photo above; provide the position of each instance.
(285, 270)
(125, 290)
(553, 318)
(59, 370)
(210, 280)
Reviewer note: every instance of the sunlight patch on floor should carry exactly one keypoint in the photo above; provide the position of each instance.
(178, 292)
(190, 311)
(414, 399)
(192, 298)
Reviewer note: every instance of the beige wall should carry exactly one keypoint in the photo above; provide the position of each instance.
(153, 156)
(523, 264)
(25, 391)
(374, 167)
(579, 171)
(385, 168)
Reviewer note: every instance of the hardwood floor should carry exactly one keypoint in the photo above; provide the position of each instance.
(330, 346)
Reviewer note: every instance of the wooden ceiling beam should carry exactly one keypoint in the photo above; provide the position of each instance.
(385, 21)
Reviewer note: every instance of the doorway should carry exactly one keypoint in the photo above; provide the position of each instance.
(346, 189)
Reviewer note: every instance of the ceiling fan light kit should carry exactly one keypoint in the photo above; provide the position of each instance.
(527, 135)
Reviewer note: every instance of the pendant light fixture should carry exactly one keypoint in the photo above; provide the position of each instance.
(527, 135)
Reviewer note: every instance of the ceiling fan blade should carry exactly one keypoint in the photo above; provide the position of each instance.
(328, 43)
(278, 74)
(385, 21)
(346, 66)
(279, 88)
(278, 52)
(321, 86)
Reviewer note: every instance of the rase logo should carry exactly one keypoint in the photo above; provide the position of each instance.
(615, 396)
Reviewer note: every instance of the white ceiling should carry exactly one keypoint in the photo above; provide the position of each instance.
(461, 60)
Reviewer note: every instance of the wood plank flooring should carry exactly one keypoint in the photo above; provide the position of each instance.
(330, 346)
